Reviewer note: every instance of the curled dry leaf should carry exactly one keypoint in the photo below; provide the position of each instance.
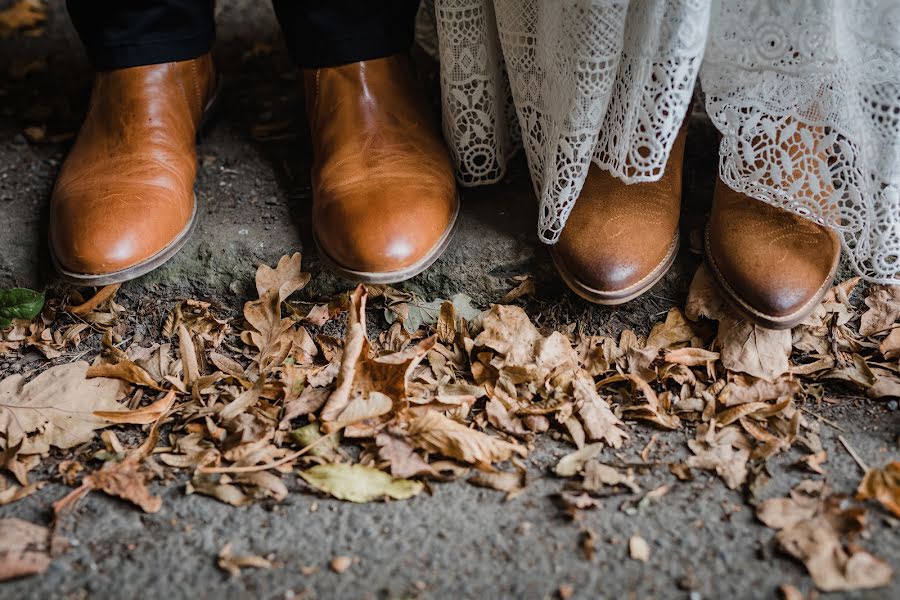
(597, 475)
(95, 301)
(275, 337)
(219, 488)
(674, 330)
(595, 415)
(744, 347)
(364, 381)
(751, 349)
(286, 278)
(511, 482)
(572, 464)
(525, 287)
(125, 370)
(10, 493)
(140, 416)
(233, 563)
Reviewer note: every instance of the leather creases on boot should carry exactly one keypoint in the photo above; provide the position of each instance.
(124, 199)
(772, 265)
(620, 239)
(384, 193)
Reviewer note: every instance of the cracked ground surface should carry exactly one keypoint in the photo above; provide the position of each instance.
(459, 542)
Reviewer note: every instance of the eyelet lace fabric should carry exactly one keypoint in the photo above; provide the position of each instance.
(806, 95)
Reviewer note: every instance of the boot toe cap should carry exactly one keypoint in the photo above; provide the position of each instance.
(96, 237)
(614, 269)
(379, 237)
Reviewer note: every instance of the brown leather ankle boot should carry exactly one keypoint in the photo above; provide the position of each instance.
(772, 265)
(384, 194)
(621, 239)
(124, 200)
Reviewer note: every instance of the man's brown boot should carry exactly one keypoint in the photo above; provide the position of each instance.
(772, 265)
(384, 194)
(620, 239)
(124, 200)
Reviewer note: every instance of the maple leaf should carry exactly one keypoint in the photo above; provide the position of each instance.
(285, 279)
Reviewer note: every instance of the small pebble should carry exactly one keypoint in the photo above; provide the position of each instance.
(339, 564)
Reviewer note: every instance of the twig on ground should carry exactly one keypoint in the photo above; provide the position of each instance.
(270, 465)
(823, 419)
(852, 452)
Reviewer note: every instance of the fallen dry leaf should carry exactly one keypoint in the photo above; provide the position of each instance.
(433, 432)
(286, 278)
(359, 483)
(811, 526)
(127, 480)
(140, 416)
(24, 549)
(56, 408)
(404, 460)
(882, 485)
(572, 464)
(884, 310)
(125, 370)
(95, 301)
(727, 454)
(23, 15)
(233, 563)
(749, 348)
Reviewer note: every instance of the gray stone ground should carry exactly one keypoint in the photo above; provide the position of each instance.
(460, 542)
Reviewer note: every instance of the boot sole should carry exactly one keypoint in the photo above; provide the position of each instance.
(606, 298)
(788, 321)
(400, 274)
(149, 264)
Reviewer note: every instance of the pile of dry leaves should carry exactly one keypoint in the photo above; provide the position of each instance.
(446, 392)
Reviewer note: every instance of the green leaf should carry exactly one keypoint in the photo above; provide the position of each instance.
(359, 483)
(19, 303)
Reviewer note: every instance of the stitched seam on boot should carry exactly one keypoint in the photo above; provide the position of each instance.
(173, 67)
(196, 79)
